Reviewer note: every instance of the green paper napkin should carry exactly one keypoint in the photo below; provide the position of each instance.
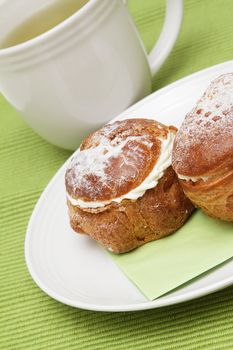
(160, 266)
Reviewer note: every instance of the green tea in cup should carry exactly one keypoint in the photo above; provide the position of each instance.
(42, 21)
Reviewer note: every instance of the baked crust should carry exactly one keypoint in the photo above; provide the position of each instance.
(112, 162)
(214, 197)
(115, 159)
(130, 224)
(203, 150)
(204, 143)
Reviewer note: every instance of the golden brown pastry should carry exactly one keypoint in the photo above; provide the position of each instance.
(121, 188)
(203, 150)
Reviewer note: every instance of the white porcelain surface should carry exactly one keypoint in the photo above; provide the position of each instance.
(74, 269)
(77, 76)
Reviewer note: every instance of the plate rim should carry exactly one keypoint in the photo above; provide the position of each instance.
(123, 307)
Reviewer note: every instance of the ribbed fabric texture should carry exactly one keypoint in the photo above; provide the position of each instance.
(29, 319)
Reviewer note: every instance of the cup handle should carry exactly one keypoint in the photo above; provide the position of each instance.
(168, 35)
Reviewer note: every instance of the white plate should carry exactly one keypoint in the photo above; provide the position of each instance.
(74, 269)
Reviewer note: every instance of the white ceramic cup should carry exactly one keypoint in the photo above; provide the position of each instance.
(84, 71)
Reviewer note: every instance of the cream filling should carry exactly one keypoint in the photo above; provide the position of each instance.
(194, 178)
(151, 181)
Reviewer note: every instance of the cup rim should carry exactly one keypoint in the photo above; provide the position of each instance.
(49, 33)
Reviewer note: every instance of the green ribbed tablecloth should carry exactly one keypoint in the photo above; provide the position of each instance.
(29, 319)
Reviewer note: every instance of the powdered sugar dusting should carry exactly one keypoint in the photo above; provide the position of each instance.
(97, 165)
(115, 159)
(151, 181)
(96, 160)
(205, 125)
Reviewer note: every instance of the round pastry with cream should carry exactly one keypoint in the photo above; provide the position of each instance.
(203, 150)
(121, 188)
